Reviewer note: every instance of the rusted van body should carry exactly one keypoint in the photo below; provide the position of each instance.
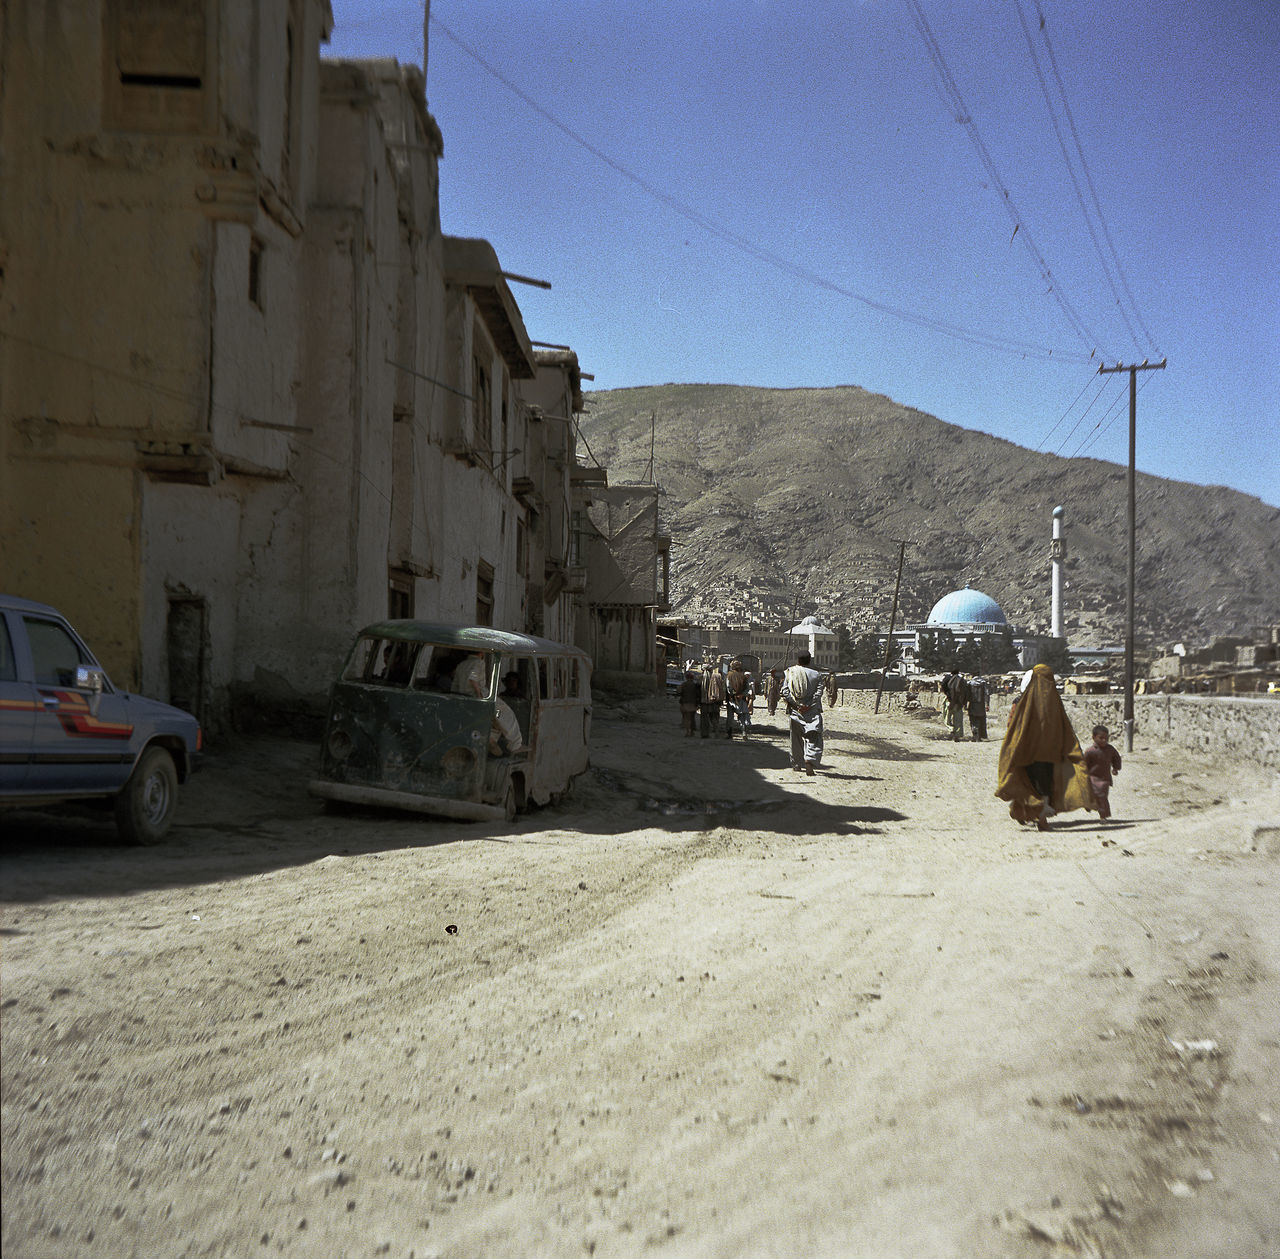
(416, 721)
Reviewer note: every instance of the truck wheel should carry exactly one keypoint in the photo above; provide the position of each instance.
(144, 809)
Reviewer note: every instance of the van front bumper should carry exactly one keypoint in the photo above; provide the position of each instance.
(385, 798)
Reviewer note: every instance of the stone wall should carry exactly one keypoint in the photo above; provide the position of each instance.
(1227, 725)
(1244, 727)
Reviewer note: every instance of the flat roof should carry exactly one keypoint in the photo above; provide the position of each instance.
(473, 637)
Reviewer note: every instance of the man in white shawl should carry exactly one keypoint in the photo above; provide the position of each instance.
(802, 694)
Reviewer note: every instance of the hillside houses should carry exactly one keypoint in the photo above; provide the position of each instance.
(252, 395)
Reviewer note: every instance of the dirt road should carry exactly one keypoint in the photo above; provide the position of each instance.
(707, 1007)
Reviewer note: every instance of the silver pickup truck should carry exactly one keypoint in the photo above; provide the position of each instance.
(67, 734)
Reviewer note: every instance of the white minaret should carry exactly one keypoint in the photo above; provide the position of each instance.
(1057, 552)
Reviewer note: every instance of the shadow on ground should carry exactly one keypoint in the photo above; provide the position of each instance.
(247, 811)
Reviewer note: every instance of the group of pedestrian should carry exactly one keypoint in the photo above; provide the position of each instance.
(961, 694)
(706, 691)
(1041, 770)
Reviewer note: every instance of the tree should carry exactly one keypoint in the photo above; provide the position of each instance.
(868, 653)
(846, 647)
(968, 657)
(1054, 653)
(936, 649)
(999, 653)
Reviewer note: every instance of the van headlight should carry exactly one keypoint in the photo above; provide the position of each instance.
(458, 762)
(338, 745)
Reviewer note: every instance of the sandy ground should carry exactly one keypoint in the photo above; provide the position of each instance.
(705, 1007)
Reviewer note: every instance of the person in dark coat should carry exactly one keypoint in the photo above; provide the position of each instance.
(979, 702)
(689, 696)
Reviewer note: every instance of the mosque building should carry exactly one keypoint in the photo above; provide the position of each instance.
(962, 617)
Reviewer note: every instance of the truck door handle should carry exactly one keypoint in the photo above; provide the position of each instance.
(51, 701)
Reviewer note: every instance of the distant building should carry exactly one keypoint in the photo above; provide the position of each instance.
(626, 579)
(777, 646)
(956, 620)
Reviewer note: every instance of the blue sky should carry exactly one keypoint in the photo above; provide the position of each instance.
(766, 193)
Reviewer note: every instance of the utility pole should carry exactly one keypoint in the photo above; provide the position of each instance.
(893, 617)
(1133, 369)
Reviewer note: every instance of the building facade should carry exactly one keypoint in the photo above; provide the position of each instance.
(158, 166)
(627, 580)
(251, 396)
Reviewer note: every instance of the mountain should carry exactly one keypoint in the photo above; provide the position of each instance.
(787, 501)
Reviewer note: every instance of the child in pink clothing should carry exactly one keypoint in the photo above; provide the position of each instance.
(1101, 760)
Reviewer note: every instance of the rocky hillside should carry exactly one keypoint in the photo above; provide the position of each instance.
(793, 501)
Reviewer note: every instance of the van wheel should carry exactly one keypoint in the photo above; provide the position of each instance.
(144, 808)
(509, 803)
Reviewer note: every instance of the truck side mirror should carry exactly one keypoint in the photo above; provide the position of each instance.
(91, 678)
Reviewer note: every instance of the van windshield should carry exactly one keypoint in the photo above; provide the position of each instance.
(415, 666)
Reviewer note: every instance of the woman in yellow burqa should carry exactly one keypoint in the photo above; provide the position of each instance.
(1042, 769)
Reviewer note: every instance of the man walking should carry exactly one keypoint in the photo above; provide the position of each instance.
(802, 694)
(736, 685)
(958, 696)
(712, 698)
(689, 696)
(979, 702)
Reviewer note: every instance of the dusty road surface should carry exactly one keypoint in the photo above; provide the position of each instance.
(706, 1007)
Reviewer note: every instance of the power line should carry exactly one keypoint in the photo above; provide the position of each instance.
(1093, 192)
(1113, 414)
(962, 115)
(1108, 414)
(1067, 412)
(1080, 420)
(992, 341)
(1071, 170)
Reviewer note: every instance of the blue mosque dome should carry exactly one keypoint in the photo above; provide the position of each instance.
(966, 607)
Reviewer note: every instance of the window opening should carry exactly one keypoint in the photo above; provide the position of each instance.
(392, 664)
(484, 593)
(482, 413)
(399, 595)
(255, 271)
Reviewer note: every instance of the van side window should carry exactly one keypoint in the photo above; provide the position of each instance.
(53, 652)
(358, 665)
(420, 681)
(544, 671)
(8, 665)
(392, 664)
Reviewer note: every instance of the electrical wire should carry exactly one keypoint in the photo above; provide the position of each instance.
(962, 115)
(1067, 439)
(1067, 412)
(1111, 268)
(1071, 171)
(991, 341)
(1093, 192)
(1104, 422)
(1099, 430)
